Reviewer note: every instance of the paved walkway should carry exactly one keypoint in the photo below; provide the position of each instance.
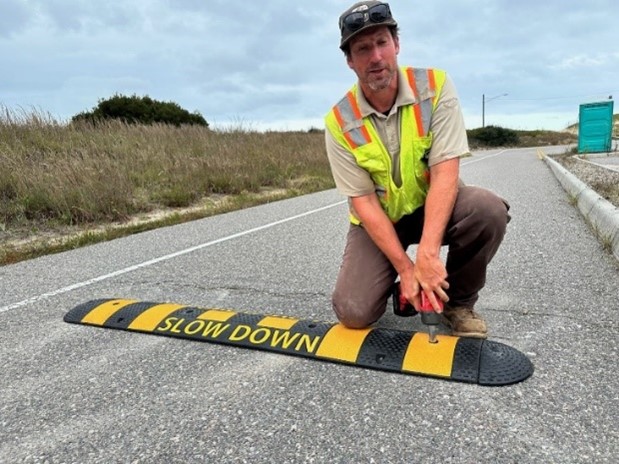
(608, 162)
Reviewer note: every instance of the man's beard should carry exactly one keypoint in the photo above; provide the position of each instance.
(381, 83)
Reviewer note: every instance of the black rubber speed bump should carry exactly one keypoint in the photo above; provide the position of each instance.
(453, 358)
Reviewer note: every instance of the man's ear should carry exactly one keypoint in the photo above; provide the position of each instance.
(396, 41)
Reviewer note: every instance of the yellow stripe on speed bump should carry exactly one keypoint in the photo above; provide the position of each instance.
(150, 319)
(428, 358)
(273, 322)
(102, 313)
(342, 344)
(218, 315)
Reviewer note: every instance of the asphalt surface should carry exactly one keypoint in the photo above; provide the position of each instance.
(77, 394)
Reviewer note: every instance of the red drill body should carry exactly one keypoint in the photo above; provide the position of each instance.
(402, 307)
(430, 317)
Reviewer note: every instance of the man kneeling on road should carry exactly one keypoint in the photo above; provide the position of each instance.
(394, 143)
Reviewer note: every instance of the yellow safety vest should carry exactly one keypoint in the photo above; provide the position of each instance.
(358, 135)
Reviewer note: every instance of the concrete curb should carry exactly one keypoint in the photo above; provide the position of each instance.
(600, 213)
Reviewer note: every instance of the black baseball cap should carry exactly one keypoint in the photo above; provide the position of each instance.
(362, 16)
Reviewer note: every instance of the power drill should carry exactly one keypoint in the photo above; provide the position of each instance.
(403, 308)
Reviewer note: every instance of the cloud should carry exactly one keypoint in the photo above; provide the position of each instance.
(279, 60)
(585, 61)
(14, 16)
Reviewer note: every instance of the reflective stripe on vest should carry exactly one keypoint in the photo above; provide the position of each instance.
(423, 85)
(347, 112)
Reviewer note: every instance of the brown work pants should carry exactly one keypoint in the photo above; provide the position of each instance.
(473, 235)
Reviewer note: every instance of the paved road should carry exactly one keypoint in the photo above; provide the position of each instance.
(86, 395)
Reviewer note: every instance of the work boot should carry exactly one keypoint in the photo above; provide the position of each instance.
(464, 322)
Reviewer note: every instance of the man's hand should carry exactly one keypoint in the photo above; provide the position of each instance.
(410, 288)
(431, 275)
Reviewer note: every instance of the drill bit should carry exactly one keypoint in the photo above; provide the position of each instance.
(430, 317)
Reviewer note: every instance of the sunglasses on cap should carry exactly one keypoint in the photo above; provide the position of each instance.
(356, 20)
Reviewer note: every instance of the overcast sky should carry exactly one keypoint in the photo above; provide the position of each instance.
(275, 64)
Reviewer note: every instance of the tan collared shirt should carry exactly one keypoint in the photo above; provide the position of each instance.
(447, 125)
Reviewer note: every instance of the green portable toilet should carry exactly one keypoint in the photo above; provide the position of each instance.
(595, 127)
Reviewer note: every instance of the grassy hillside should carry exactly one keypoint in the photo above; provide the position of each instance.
(58, 179)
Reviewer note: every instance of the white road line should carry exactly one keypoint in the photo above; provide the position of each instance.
(466, 163)
(135, 267)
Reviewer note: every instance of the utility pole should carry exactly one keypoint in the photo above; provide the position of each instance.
(483, 106)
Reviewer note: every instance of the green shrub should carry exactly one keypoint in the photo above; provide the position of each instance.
(140, 110)
(492, 136)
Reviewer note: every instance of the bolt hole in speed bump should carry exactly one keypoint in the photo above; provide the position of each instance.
(461, 359)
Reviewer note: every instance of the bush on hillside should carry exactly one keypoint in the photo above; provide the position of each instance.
(140, 110)
(492, 136)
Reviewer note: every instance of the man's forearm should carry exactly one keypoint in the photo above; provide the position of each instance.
(382, 232)
(439, 205)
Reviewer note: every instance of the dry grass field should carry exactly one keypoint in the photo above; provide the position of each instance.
(66, 184)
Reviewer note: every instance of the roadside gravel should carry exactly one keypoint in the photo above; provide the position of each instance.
(604, 181)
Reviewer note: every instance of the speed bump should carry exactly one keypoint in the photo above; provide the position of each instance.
(461, 359)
